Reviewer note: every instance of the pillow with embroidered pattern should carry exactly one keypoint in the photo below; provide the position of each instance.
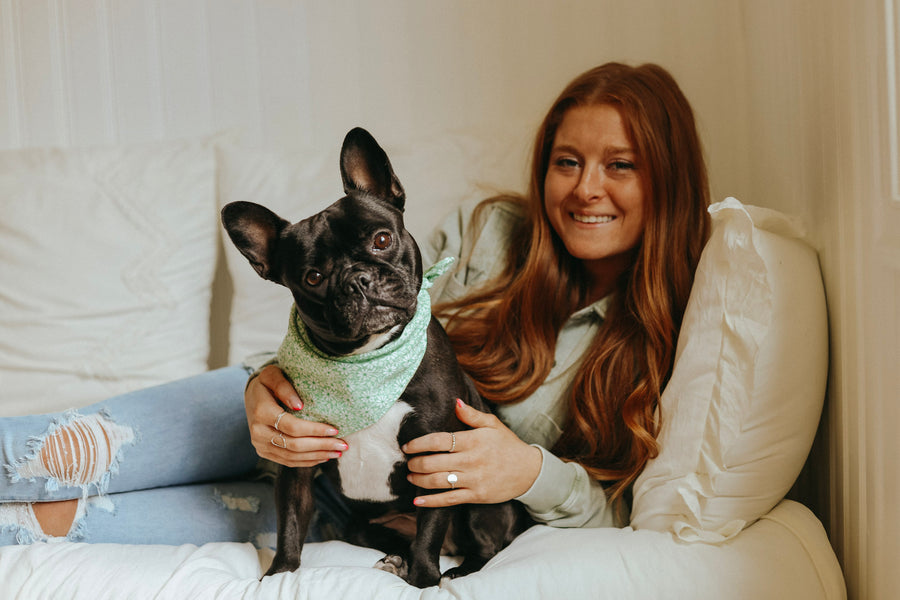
(106, 262)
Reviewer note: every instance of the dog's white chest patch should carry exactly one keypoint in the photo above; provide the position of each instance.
(369, 461)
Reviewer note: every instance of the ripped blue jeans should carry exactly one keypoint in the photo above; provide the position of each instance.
(171, 464)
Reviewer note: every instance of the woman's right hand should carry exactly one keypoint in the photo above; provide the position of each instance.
(306, 443)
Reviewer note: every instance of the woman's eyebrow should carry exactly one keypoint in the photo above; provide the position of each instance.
(620, 150)
(608, 151)
(564, 148)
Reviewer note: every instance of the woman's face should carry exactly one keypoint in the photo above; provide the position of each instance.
(593, 192)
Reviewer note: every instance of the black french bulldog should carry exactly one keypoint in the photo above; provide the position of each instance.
(355, 274)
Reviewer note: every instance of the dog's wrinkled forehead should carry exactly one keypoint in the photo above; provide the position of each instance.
(345, 227)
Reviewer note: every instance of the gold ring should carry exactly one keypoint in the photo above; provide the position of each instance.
(283, 444)
(452, 479)
(452, 442)
(278, 420)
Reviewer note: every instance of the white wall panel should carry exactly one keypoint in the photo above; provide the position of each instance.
(86, 73)
(10, 104)
(186, 95)
(892, 80)
(295, 73)
(286, 78)
(36, 75)
(234, 60)
(136, 70)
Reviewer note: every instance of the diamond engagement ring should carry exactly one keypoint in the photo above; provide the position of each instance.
(452, 479)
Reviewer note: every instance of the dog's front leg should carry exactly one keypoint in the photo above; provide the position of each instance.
(295, 505)
(425, 551)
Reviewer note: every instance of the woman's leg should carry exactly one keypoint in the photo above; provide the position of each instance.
(233, 511)
(144, 453)
(182, 432)
(228, 511)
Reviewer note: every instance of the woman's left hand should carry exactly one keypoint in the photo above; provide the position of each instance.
(490, 462)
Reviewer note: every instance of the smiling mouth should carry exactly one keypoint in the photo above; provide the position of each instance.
(592, 218)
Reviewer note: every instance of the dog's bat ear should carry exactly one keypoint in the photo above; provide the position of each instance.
(254, 229)
(365, 168)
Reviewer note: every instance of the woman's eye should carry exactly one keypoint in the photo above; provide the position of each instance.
(382, 241)
(314, 278)
(567, 163)
(621, 165)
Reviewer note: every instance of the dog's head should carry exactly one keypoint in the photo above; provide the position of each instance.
(353, 269)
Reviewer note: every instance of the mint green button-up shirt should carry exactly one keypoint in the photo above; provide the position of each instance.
(563, 494)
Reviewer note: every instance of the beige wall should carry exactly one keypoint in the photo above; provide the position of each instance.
(792, 98)
(823, 120)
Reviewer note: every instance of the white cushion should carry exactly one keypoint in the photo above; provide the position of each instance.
(106, 263)
(785, 555)
(437, 173)
(742, 407)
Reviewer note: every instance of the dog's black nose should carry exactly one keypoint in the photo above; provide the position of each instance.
(358, 282)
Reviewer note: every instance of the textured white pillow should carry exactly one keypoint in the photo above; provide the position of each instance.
(106, 263)
(437, 173)
(743, 404)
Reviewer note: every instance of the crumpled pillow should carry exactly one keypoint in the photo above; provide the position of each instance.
(743, 404)
(107, 257)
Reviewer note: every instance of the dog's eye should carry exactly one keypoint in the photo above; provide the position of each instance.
(382, 241)
(314, 278)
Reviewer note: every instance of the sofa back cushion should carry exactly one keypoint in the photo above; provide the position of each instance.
(106, 263)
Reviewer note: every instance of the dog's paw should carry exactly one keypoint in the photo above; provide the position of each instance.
(393, 563)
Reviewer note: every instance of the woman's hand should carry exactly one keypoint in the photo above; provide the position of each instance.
(490, 462)
(296, 442)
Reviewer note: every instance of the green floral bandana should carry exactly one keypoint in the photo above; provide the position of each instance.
(353, 392)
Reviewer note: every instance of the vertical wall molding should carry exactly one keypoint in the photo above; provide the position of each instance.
(62, 73)
(105, 25)
(157, 69)
(12, 58)
(892, 24)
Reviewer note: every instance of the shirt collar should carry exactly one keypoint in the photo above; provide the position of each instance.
(597, 311)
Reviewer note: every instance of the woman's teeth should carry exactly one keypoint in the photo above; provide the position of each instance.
(592, 219)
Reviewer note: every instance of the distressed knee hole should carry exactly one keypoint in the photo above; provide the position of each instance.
(41, 522)
(56, 518)
(19, 518)
(81, 452)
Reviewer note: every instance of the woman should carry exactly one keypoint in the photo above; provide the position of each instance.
(565, 311)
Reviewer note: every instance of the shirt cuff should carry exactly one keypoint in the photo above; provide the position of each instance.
(553, 485)
(563, 495)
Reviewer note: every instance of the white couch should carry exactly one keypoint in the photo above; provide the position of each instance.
(131, 234)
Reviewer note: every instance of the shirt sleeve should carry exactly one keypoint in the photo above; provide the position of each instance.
(564, 495)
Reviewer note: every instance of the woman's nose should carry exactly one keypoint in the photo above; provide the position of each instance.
(590, 185)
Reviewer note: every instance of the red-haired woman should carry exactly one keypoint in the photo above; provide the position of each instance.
(564, 311)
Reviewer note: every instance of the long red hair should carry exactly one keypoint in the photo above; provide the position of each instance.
(505, 333)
